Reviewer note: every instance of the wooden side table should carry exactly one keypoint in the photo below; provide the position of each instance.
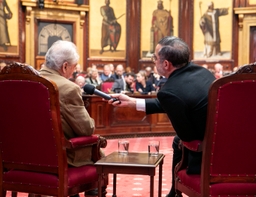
(132, 163)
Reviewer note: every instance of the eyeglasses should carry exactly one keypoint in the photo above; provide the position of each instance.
(153, 58)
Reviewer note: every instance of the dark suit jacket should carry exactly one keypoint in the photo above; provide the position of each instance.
(184, 98)
(119, 83)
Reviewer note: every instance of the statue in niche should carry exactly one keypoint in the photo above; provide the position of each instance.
(5, 14)
(161, 25)
(111, 29)
(209, 24)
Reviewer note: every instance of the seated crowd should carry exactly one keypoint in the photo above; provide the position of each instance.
(218, 70)
(146, 81)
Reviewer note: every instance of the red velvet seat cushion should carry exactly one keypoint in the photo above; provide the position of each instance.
(76, 176)
(83, 174)
(229, 189)
(193, 183)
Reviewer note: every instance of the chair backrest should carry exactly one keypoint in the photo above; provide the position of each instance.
(107, 86)
(30, 134)
(230, 141)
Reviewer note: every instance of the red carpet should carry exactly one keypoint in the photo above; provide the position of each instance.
(138, 185)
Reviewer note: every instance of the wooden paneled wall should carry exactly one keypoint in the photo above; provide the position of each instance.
(110, 120)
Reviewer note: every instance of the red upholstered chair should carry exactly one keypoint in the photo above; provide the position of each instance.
(106, 86)
(32, 145)
(229, 156)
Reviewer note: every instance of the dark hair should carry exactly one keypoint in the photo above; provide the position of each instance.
(174, 50)
(130, 74)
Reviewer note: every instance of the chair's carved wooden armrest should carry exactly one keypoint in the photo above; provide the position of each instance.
(95, 141)
(195, 145)
(82, 141)
(97, 154)
(103, 142)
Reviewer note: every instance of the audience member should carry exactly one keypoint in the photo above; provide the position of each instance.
(150, 75)
(88, 71)
(160, 83)
(184, 98)
(142, 84)
(119, 71)
(128, 70)
(112, 68)
(106, 73)
(60, 62)
(93, 78)
(218, 71)
(94, 66)
(205, 66)
(124, 85)
(235, 69)
(77, 71)
(2, 65)
(158, 80)
(210, 69)
(80, 81)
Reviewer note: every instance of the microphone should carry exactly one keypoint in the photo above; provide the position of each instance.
(90, 89)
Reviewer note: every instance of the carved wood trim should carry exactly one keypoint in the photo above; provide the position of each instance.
(240, 21)
(186, 22)
(245, 19)
(58, 6)
(82, 19)
(249, 68)
(60, 12)
(133, 22)
(28, 14)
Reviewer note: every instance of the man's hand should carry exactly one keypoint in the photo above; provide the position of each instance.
(126, 101)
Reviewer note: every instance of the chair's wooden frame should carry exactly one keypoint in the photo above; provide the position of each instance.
(17, 71)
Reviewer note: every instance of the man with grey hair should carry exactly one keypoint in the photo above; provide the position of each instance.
(60, 62)
(183, 97)
(106, 74)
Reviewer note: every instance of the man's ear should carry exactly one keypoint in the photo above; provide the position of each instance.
(64, 67)
(167, 64)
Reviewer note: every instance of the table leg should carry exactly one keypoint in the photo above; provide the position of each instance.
(114, 185)
(99, 185)
(160, 180)
(151, 186)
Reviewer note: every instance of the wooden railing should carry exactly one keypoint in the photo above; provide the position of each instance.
(110, 120)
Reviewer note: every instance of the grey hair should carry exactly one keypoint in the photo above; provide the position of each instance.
(174, 50)
(60, 52)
